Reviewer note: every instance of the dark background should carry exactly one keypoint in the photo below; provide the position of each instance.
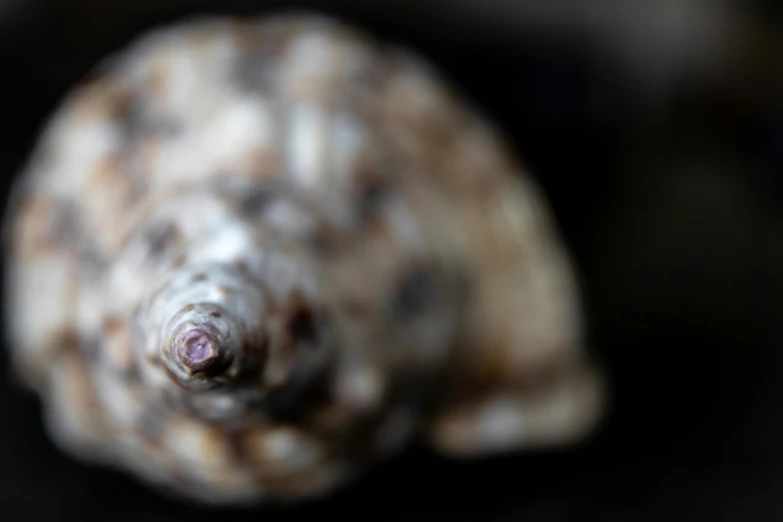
(662, 159)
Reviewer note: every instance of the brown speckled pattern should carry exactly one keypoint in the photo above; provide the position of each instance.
(379, 267)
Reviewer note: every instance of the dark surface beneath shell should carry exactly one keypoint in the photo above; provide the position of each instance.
(672, 208)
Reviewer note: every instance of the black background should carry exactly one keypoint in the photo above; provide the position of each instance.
(671, 208)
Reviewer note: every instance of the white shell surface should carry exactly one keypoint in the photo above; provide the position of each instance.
(387, 271)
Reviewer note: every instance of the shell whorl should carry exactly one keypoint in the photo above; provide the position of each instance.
(212, 332)
(255, 257)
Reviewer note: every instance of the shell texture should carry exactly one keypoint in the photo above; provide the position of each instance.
(250, 258)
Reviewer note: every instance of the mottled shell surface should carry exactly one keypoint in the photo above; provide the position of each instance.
(251, 258)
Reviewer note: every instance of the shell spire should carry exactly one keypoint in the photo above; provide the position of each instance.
(255, 257)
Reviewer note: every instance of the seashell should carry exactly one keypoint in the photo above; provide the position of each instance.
(250, 259)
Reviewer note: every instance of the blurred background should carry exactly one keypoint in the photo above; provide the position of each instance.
(656, 131)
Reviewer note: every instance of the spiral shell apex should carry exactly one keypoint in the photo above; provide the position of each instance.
(252, 258)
